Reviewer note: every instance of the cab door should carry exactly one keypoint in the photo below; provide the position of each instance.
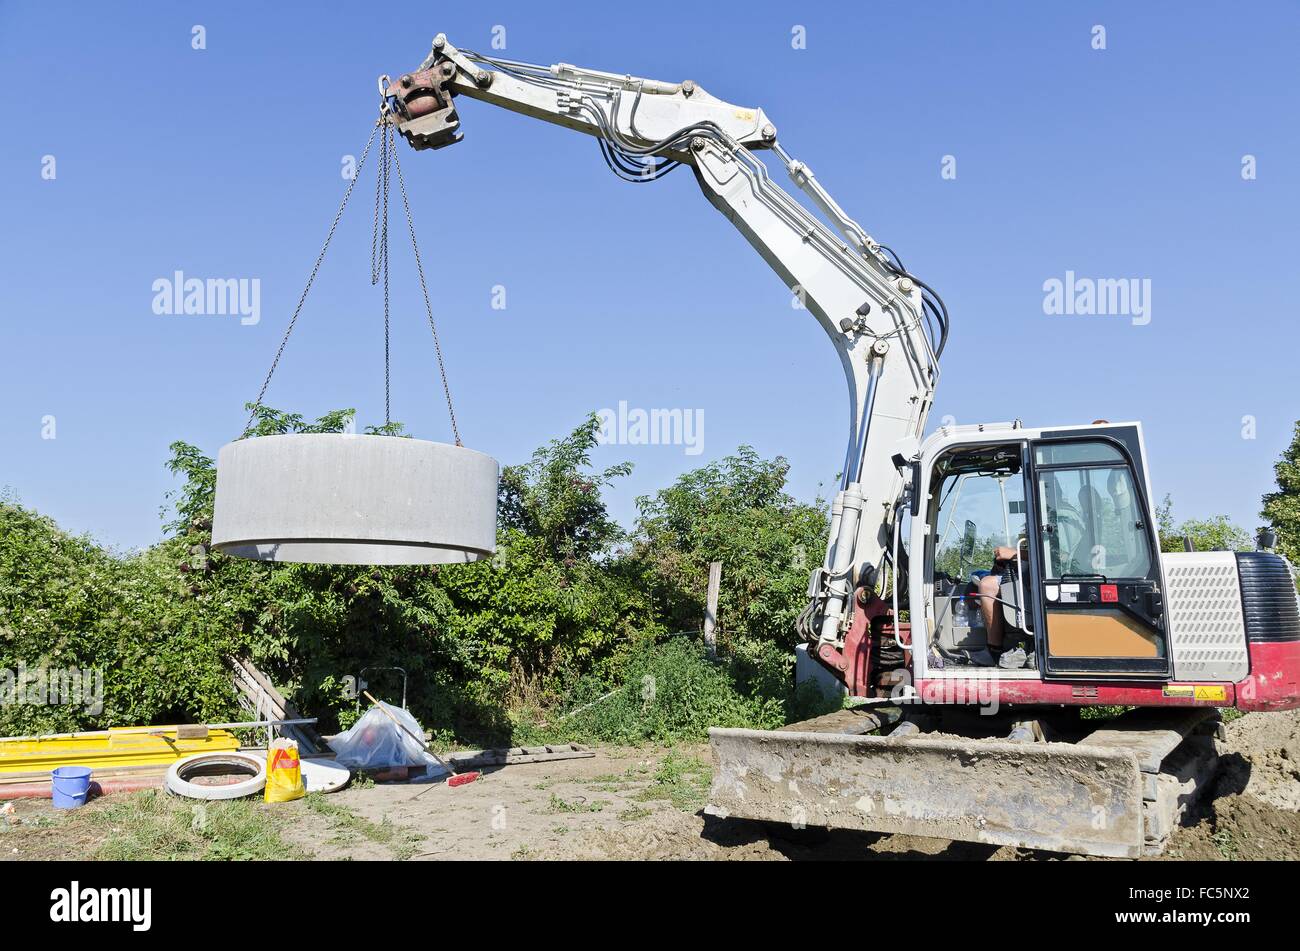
(1097, 556)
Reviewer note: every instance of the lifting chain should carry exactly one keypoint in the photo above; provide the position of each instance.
(388, 159)
(379, 253)
(428, 308)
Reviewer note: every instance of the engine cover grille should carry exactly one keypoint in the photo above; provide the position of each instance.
(1207, 632)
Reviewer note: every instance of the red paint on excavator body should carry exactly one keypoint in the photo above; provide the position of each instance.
(1273, 682)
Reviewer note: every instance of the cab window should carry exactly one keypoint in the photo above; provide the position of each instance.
(981, 506)
(1089, 511)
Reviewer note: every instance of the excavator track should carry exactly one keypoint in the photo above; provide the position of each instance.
(1117, 792)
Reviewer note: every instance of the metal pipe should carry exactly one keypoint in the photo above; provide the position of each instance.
(898, 526)
(838, 589)
(837, 515)
(1006, 532)
(858, 454)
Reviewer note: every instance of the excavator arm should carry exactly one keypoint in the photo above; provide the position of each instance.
(887, 327)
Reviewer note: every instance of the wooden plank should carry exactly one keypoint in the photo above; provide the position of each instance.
(257, 687)
(711, 608)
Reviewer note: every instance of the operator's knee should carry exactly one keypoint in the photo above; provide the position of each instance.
(990, 586)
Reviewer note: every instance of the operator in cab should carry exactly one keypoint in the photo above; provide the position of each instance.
(989, 589)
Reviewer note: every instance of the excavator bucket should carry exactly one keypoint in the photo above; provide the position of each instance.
(1060, 797)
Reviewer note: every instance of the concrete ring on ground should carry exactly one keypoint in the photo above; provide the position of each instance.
(337, 498)
(180, 772)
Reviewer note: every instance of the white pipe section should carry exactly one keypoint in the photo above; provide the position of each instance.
(898, 524)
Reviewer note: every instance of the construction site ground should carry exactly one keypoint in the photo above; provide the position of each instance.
(622, 803)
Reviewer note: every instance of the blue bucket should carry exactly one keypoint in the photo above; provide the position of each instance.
(70, 785)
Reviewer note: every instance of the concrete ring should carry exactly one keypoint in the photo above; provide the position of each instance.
(178, 784)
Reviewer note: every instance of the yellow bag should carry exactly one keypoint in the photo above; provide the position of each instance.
(283, 772)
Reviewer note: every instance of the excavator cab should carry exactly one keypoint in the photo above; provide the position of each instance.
(1082, 597)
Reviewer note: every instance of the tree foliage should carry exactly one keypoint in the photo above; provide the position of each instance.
(554, 498)
(1282, 507)
(67, 604)
(1216, 533)
(735, 511)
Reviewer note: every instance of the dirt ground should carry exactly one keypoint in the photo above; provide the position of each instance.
(638, 804)
(1252, 812)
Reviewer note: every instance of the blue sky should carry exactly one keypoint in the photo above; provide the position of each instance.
(225, 162)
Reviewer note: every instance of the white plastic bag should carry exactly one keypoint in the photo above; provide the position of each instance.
(375, 742)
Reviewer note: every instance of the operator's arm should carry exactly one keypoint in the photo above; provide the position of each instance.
(1005, 553)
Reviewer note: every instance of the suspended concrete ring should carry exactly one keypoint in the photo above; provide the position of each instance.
(184, 776)
(336, 498)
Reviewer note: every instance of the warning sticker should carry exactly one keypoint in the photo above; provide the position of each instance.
(1206, 692)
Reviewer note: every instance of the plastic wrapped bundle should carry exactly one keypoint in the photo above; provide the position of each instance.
(375, 742)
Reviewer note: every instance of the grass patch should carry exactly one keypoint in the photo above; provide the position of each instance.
(633, 813)
(152, 826)
(682, 780)
(1227, 845)
(1102, 712)
(400, 841)
(606, 779)
(563, 805)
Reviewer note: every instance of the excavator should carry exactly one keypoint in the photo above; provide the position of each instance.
(986, 588)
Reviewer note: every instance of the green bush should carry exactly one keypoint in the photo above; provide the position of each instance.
(735, 511)
(666, 693)
(570, 608)
(65, 603)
